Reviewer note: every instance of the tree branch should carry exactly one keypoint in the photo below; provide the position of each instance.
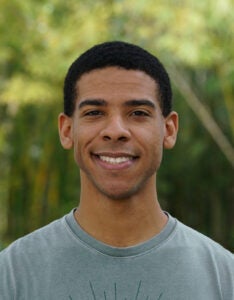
(203, 114)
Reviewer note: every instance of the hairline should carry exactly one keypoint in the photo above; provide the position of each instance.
(157, 86)
(123, 55)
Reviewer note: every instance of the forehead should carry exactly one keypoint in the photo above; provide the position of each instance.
(115, 81)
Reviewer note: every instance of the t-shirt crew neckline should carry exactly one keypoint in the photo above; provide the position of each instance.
(135, 250)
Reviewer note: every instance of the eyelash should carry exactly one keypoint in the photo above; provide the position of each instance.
(135, 113)
(140, 113)
(93, 113)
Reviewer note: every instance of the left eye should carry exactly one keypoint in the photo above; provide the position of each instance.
(140, 113)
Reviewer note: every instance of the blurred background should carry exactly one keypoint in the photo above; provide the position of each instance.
(39, 40)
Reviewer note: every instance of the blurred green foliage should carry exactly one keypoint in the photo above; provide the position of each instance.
(39, 39)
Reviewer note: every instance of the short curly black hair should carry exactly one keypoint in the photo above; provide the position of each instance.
(120, 54)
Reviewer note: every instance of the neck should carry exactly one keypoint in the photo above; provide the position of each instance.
(121, 223)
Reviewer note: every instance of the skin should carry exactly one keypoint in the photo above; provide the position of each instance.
(118, 134)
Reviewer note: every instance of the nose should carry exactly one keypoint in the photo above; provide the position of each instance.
(115, 129)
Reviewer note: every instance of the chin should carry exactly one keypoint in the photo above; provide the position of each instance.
(118, 194)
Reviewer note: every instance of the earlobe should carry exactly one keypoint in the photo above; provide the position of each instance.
(65, 130)
(171, 129)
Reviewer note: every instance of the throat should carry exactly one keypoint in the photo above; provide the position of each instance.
(124, 226)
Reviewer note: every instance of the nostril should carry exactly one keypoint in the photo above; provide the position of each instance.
(122, 138)
(106, 138)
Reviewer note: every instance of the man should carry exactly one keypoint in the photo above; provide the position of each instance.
(118, 243)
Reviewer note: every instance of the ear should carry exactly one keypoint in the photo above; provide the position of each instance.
(65, 130)
(171, 129)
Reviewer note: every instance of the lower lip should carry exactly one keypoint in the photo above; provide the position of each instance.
(109, 166)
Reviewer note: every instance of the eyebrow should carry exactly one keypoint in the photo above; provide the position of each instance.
(140, 102)
(93, 102)
(102, 102)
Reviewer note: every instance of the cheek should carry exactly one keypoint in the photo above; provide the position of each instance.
(154, 144)
(153, 137)
(77, 156)
(82, 139)
(77, 138)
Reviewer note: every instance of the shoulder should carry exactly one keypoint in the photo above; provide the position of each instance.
(35, 242)
(213, 259)
(192, 238)
(198, 248)
(23, 263)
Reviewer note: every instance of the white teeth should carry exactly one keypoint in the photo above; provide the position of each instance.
(114, 160)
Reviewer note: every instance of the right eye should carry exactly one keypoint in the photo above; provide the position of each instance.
(93, 113)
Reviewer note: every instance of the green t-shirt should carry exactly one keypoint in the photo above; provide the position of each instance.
(61, 261)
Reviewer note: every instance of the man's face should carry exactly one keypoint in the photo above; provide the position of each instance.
(117, 131)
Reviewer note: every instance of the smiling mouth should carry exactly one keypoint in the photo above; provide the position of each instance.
(115, 160)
